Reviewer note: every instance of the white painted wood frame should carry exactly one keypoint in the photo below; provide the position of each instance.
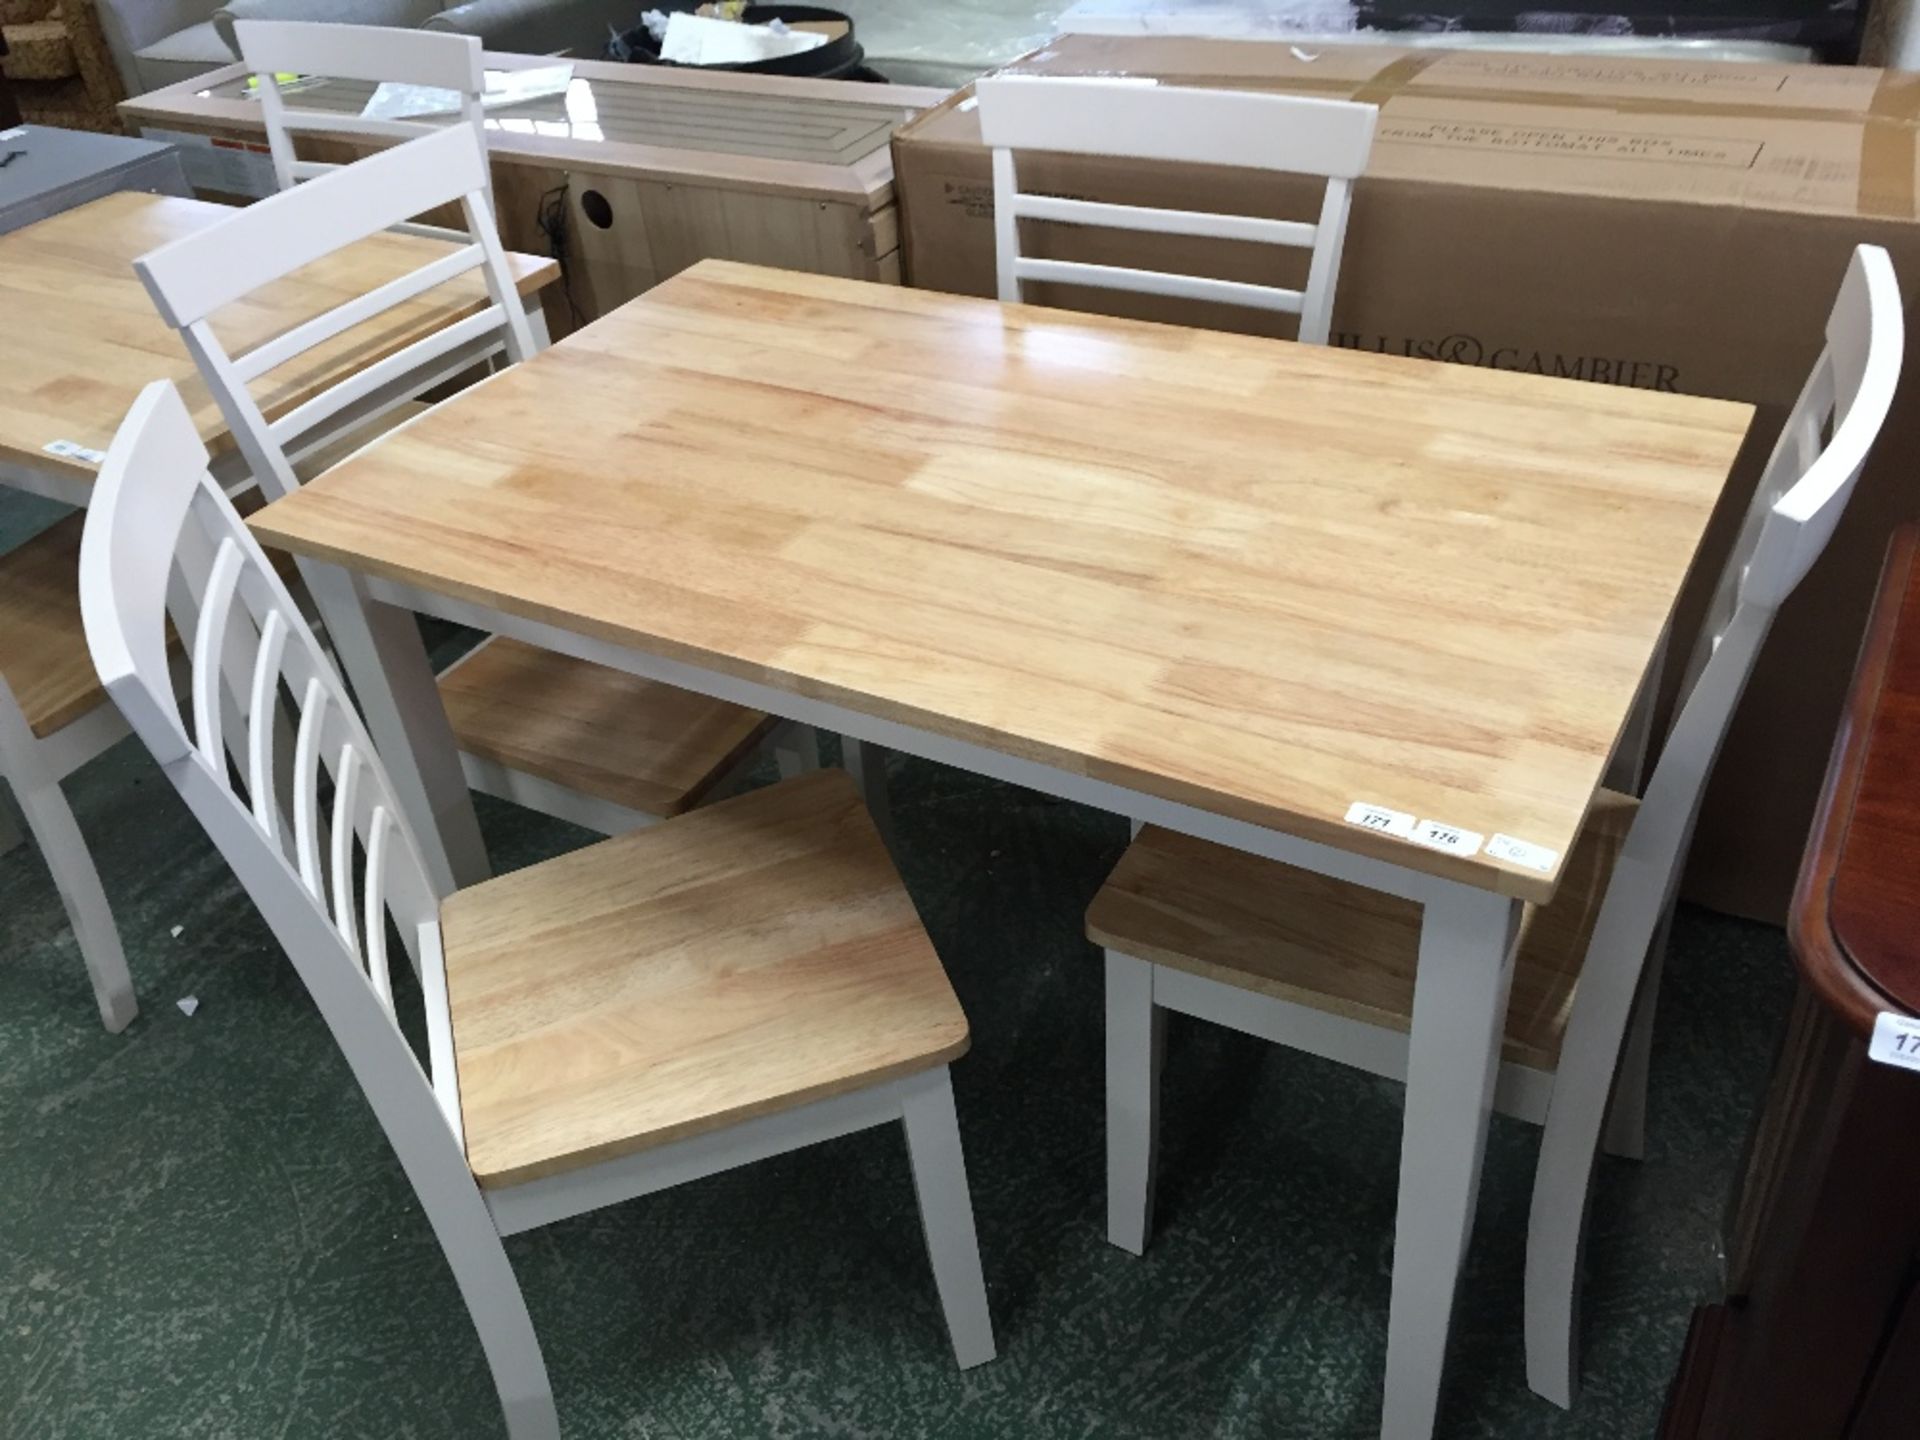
(1143, 120)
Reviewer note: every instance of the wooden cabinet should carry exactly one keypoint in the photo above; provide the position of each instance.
(631, 176)
(1819, 1335)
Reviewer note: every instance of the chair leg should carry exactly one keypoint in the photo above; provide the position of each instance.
(499, 1311)
(1136, 1041)
(1590, 1054)
(946, 1211)
(796, 749)
(1626, 1132)
(48, 816)
(1556, 1239)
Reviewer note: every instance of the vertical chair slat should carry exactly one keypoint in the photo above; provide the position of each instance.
(346, 786)
(209, 645)
(263, 709)
(379, 832)
(306, 784)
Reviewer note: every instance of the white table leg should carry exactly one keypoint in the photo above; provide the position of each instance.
(1627, 771)
(1459, 1013)
(385, 663)
(867, 764)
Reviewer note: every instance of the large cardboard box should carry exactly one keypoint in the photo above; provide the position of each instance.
(1671, 225)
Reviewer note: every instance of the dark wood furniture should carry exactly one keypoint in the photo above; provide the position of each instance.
(1819, 1337)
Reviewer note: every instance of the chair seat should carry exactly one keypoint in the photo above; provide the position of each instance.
(43, 648)
(747, 958)
(1260, 925)
(650, 747)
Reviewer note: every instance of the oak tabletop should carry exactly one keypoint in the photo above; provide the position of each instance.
(1265, 579)
(79, 338)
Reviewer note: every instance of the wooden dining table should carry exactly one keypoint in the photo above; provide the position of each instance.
(1381, 618)
(79, 337)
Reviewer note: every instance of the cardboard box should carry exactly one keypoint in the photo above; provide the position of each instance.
(1666, 224)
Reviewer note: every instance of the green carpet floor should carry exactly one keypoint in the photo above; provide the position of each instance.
(203, 1233)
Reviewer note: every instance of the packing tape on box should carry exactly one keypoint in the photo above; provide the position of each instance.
(1887, 150)
(1889, 145)
(1393, 77)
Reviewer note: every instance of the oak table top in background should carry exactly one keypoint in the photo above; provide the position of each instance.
(1264, 579)
(79, 338)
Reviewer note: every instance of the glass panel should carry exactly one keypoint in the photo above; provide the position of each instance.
(599, 109)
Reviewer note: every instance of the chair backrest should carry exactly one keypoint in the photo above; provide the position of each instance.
(199, 274)
(433, 58)
(162, 542)
(1799, 499)
(1142, 120)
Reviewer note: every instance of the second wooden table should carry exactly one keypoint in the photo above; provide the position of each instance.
(80, 338)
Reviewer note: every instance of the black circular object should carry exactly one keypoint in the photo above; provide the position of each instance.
(595, 207)
(838, 59)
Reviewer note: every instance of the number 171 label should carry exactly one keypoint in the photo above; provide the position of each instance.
(1896, 1041)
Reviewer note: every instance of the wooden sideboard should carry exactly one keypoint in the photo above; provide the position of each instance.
(632, 175)
(1819, 1335)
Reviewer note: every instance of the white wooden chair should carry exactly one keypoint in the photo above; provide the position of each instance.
(733, 984)
(1328, 968)
(1141, 120)
(435, 58)
(583, 742)
(54, 718)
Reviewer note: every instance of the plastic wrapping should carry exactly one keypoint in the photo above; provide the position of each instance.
(1542, 30)
(948, 42)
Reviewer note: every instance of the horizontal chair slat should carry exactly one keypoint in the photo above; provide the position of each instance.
(1168, 222)
(1138, 119)
(299, 421)
(199, 272)
(439, 58)
(1155, 282)
(361, 308)
(342, 122)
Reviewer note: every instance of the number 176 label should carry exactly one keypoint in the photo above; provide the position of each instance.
(1896, 1041)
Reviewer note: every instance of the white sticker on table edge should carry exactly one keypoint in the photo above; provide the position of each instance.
(1378, 817)
(1519, 852)
(1451, 838)
(1896, 1040)
(69, 450)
